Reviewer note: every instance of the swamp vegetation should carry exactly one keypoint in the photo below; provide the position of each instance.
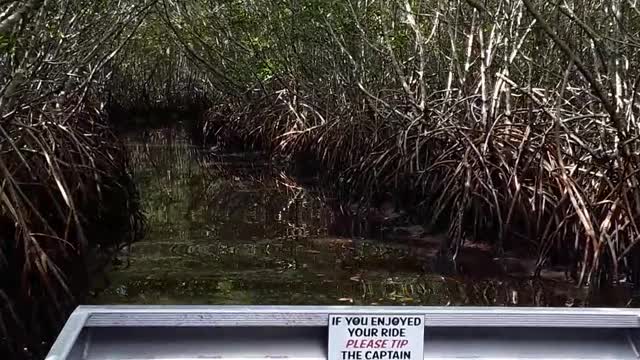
(503, 129)
(234, 228)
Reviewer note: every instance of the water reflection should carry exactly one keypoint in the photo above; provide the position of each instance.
(233, 229)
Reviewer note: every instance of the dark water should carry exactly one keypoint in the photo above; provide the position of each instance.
(233, 229)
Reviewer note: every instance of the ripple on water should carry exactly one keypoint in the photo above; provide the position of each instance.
(226, 230)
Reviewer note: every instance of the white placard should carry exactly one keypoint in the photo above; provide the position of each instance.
(376, 337)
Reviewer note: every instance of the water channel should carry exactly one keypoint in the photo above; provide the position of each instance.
(235, 229)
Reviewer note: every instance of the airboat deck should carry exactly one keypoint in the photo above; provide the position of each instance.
(301, 332)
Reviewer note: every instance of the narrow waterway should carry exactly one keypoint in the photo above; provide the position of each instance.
(234, 229)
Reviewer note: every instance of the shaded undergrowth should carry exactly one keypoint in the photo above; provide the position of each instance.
(525, 182)
(234, 229)
(509, 122)
(67, 202)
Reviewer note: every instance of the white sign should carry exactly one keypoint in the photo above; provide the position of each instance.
(376, 337)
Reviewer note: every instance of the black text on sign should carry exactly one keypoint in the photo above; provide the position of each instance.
(376, 337)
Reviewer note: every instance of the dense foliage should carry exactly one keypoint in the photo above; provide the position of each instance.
(64, 187)
(514, 121)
